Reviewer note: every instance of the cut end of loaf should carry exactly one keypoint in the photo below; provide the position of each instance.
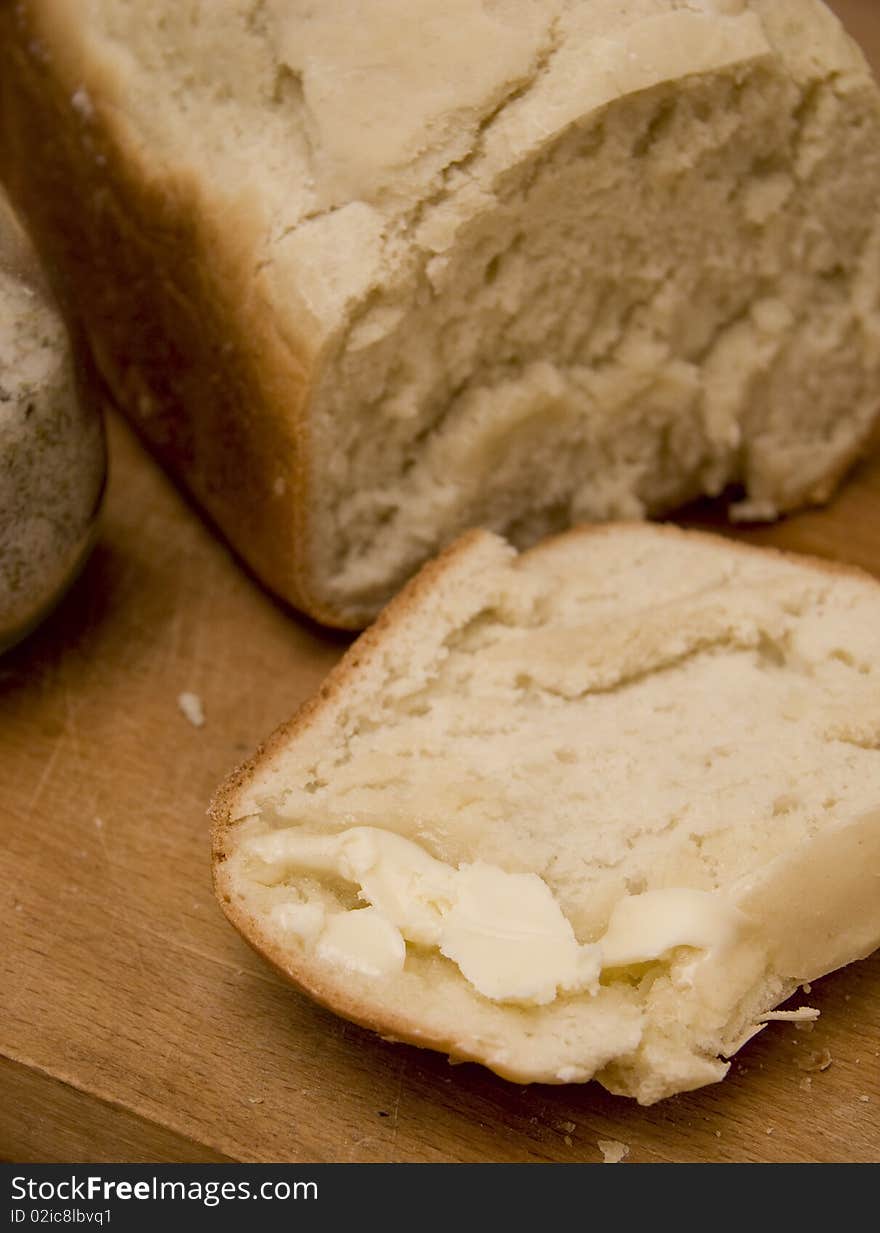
(622, 713)
(671, 293)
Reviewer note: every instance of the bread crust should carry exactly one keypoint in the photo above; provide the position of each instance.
(312, 977)
(159, 283)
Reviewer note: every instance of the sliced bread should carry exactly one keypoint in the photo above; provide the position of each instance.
(593, 811)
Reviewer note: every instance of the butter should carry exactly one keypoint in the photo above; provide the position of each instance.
(505, 931)
(364, 941)
(306, 920)
(648, 926)
(403, 881)
(510, 939)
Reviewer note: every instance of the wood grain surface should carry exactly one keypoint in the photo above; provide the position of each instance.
(136, 1025)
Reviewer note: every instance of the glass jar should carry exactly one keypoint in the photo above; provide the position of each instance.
(52, 448)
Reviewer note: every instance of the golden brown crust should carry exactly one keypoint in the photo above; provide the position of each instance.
(369, 642)
(309, 977)
(159, 283)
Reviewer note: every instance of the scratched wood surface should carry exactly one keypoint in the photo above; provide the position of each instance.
(136, 1025)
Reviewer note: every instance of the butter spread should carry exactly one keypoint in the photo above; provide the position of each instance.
(306, 920)
(510, 939)
(363, 940)
(648, 926)
(505, 931)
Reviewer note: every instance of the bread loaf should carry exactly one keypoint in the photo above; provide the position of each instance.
(365, 275)
(591, 811)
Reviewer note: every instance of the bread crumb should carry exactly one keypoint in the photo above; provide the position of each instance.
(82, 103)
(567, 1140)
(817, 1059)
(770, 1130)
(865, 1099)
(806, 989)
(717, 1134)
(566, 1127)
(612, 1151)
(803, 1014)
(806, 1085)
(191, 706)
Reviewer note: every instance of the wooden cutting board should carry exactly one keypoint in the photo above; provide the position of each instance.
(136, 1025)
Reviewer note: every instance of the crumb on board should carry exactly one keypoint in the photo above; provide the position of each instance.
(612, 1151)
(806, 1085)
(865, 1098)
(192, 708)
(816, 1059)
(81, 102)
(566, 1127)
(803, 1014)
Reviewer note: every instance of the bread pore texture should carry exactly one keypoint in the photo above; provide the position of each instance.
(592, 811)
(366, 275)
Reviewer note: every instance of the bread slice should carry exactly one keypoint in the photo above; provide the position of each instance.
(588, 812)
(366, 275)
(51, 447)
